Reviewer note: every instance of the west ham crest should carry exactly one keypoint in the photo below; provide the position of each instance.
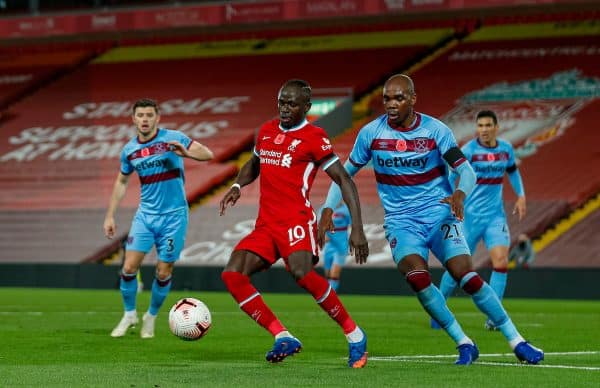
(161, 148)
(421, 145)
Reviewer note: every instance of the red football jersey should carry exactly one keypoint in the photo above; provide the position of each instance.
(289, 160)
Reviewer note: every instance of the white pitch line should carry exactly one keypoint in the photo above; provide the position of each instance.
(494, 363)
(408, 357)
(434, 359)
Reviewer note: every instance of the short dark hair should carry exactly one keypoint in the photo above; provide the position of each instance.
(487, 113)
(302, 85)
(144, 103)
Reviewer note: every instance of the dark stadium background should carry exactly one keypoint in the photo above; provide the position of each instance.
(69, 69)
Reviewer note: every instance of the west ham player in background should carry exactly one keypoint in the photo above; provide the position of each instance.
(156, 154)
(485, 220)
(409, 151)
(287, 153)
(336, 247)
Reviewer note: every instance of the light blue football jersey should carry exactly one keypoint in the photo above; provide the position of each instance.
(160, 170)
(408, 164)
(490, 165)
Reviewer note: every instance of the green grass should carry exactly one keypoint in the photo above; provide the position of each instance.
(56, 337)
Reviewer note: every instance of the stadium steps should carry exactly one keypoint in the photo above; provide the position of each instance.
(573, 241)
(36, 70)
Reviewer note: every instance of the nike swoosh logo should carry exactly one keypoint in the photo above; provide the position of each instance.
(266, 137)
(295, 242)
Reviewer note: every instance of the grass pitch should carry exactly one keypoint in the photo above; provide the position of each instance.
(60, 337)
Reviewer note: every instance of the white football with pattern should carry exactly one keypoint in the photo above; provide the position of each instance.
(189, 319)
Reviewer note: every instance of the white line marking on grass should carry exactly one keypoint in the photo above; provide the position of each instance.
(493, 363)
(435, 359)
(420, 356)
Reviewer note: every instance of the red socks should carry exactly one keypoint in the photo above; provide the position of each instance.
(327, 299)
(251, 302)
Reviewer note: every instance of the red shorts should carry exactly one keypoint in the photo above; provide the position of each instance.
(271, 242)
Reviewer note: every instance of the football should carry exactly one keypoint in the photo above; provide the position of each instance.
(189, 319)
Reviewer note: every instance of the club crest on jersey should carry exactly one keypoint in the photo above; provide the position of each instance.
(145, 151)
(401, 145)
(421, 145)
(294, 144)
(279, 138)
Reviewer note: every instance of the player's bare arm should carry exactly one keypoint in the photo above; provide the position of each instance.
(119, 189)
(196, 151)
(325, 225)
(456, 202)
(249, 172)
(466, 181)
(359, 246)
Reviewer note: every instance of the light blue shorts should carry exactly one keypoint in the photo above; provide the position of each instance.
(494, 232)
(336, 250)
(442, 235)
(166, 231)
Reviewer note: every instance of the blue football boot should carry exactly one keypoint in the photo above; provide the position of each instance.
(283, 347)
(467, 354)
(528, 353)
(357, 353)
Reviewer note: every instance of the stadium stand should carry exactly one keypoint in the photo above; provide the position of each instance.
(205, 81)
(577, 247)
(23, 73)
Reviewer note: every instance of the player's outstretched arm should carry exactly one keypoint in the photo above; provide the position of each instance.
(196, 151)
(358, 241)
(119, 189)
(248, 173)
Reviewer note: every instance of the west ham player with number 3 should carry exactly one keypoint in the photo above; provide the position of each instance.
(422, 213)
(162, 217)
(287, 153)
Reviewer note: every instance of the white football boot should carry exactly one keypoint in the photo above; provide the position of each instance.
(126, 322)
(148, 326)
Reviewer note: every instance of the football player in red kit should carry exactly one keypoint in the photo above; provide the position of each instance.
(287, 154)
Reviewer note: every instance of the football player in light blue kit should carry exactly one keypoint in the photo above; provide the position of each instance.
(491, 158)
(336, 248)
(156, 154)
(409, 152)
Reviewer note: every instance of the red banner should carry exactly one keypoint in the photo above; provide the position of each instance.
(226, 13)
